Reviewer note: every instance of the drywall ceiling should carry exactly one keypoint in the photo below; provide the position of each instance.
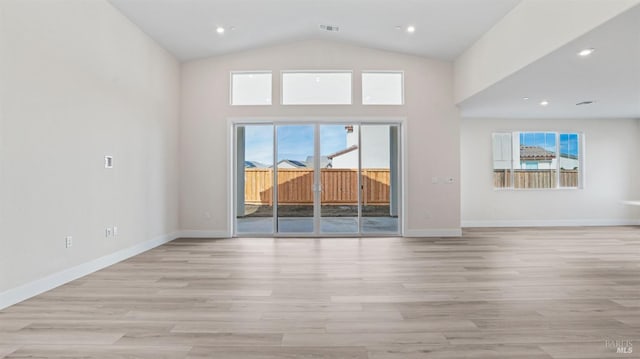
(610, 77)
(187, 28)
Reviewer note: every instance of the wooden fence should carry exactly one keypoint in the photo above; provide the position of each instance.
(339, 186)
(534, 178)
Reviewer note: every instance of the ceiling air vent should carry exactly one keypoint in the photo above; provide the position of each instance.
(330, 28)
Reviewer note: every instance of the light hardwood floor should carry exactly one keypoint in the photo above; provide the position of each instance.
(494, 293)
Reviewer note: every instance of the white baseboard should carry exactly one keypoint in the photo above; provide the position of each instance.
(31, 289)
(551, 223)
(434, 232)
(193, 233)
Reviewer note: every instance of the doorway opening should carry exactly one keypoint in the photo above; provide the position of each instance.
(317, 179)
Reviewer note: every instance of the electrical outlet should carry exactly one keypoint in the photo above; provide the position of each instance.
(108, 232)
(115, 231)
(68, 242)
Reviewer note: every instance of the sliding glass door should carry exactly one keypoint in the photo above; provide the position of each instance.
(254, 179)
(339, 179)
(380, 178)
(295, 176)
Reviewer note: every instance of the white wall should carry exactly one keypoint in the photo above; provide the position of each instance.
(610, 170)
(78, 81)
(432, 128)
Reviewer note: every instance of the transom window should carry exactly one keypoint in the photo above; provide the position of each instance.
(382, 88)
(316, 88)
(250, 88)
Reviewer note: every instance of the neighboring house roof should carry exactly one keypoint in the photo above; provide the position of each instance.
(535, 153)
(254, 164)
(293, 163)
(566, 155)
(342, 152)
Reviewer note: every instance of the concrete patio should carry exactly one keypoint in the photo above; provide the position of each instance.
(304, 225)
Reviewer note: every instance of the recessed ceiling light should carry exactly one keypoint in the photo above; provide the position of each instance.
(411, 29)
(398, 27)
(220, 30)
(586, 52)
(544, 103)
(525, 98)
(585, 103)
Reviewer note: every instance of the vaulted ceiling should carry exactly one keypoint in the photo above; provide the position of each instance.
(610, 77)
(187, 28)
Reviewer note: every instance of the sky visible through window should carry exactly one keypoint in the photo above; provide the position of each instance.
(295, 142)
(547, 140)
(569, 144)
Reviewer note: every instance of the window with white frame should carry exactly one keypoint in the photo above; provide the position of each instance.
(250, 88)
(316, 88)
(382, 88)
(537, 160)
